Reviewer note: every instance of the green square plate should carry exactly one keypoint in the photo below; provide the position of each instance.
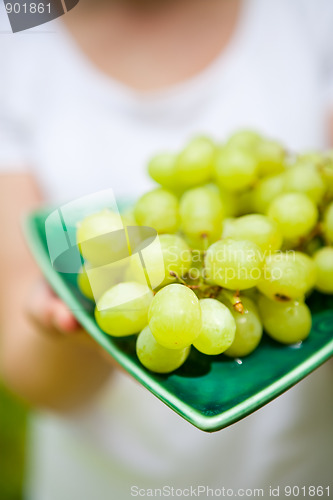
(211, 392)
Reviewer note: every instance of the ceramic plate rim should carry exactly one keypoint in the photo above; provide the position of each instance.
(208, 423)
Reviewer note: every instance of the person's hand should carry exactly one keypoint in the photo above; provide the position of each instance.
(48, 310)
(51, 316)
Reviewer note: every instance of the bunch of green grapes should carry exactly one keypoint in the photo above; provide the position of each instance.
(244, 234)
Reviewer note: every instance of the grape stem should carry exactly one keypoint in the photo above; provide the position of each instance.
(183, 282)
(233, 299)
(204, 289)
(175, 275)
(214, 292)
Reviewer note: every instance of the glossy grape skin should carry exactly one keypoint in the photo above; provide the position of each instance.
(235, 265)
(194, 165)
(218, 328)
(271, 157)
(286, 322)
(305, 178)
(123, 309)
(323, 260)
(84, 284)
(236, 169)
(287, 276)
(175, 316)
(158, 209)
(256, 228)
(161, 169)
(266, 190)
(328, 223)
(95, 250)
(169, 253)
(201, 213)
(249, 330)
(157, 358)
(294, 213)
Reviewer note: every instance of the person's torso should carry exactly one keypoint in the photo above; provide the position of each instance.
(88, 133)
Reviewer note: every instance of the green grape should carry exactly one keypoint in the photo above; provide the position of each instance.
(128, 218)
(235, 265)
(266, 190)
(286, 322)
(157, 358)
(167, 254)
(287, 276)
(200, 243)
(248, 330)
(306, 263)
(236, 169)
(194, 165)
(314, 157)
(158, 209)
(218, 328)
(256, 228)
(201, 214)
(93, 247)
(294, 213)
(161, 169)
(323, 163)
(102, 278)
(244, 138)
(323, 260)
(251, 293)
(271, 156)
(229, 202)
(196, 273)
(304, 178)
(245, 204)
(228, 226)
(123, 309)
(328, 223)
(84, 284)
(326, 171)
(211, 186)
(175, 316)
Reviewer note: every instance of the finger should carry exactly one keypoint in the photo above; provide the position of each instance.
(62, 318)
(39, 304)
(49, 311)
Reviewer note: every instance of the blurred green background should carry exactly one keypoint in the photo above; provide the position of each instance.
(13, 426)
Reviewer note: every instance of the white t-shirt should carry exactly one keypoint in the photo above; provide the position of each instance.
(79, 131)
